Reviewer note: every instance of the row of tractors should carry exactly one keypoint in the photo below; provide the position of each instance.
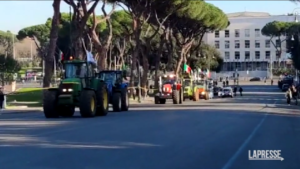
(181, 88)
(82, 86)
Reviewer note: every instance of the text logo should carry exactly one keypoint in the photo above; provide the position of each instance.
(265, 155)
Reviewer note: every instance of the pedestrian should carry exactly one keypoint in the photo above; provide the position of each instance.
(227, 82)
(271, 81)
(234, 90)
(1, 98)
(288, 96)
(241, 91)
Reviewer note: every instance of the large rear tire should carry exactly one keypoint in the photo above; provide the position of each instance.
(156, 100)
(181, 96)
(176, 97)
(196, 95)
(125, 100)
(50, 103)
(102, 100)
(88, 103)
(117, 102)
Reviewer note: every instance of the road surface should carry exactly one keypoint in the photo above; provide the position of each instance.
(215, 134)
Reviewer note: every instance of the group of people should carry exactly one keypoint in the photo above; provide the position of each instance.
(291, 93)
(235, 89)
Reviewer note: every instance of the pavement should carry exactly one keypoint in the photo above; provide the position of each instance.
(214, 134)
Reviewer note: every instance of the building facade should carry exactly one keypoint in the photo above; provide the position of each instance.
(243, 46)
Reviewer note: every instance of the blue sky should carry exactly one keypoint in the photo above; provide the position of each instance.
(16, 15)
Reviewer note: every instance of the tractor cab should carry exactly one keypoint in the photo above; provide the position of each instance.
(112, 76)
(167, 83)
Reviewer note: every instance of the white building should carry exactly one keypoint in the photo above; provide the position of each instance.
(242, 45)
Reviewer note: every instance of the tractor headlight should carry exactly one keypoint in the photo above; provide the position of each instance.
(70, 90)
(202, 92)
(64, 90)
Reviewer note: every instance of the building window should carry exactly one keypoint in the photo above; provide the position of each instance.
(247, 32)
(257, 54)
(237, 55)
(217, 34)
(268, 54)
(237, 44)
(217, 44)
(226, 33)
(257, 44)
(237, 33)
(247, 43)
(257, 32)
(227, 55)
(227, 44)
(247, 55)
(278, 44)
(267, 44)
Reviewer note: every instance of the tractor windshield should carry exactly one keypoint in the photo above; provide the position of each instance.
(75, 70)
(187, 82)
(199, 82)
(168, 80)
(108, 76)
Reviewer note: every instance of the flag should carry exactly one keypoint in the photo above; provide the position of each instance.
(90, 57)
(199, 70)
(208, 73)
(187, 68)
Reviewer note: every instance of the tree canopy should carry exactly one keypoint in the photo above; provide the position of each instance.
(160, 35)
(277, 29)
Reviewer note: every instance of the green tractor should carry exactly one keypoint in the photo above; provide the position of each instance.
(79, 88)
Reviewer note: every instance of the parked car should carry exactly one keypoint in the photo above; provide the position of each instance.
(255, 79)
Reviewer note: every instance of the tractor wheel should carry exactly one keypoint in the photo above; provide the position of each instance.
(50, 104)
(156, 100)
(66, 111)
(102, 100)
(88, 103)
(125, 100)
(181, 97)
(176, 97)
(117, 102)
(162, 101)
(206, 97)
(196, 95)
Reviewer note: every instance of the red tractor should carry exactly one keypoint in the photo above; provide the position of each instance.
(170, 87)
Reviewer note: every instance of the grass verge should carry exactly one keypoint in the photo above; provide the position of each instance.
(30, 97)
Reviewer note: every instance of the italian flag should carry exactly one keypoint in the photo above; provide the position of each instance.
(208, 73)
(187, 68)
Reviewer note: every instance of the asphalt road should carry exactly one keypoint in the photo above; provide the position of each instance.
(215, 134)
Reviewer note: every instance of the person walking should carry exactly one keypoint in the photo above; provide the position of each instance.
(272, 81)
(1, 99)
(234, 90)
(241, 91)
(288, 96)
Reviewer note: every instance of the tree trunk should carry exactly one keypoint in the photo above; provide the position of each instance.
(135, 55)
(49, 59)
